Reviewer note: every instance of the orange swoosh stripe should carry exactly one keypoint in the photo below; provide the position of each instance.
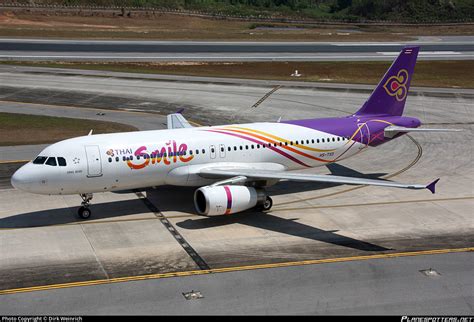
(283, 146)
(301, 146)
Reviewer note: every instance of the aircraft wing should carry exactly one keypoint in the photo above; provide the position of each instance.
(256, 174)
(177, 121)
(391, 131)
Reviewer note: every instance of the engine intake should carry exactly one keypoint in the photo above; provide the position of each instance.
(226, 200)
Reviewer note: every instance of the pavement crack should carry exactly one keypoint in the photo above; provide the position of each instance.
(95, 254)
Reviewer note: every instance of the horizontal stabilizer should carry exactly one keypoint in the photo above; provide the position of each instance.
(177, 121)
(391, 131)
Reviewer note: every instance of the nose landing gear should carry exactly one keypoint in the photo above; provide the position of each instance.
(84, 212)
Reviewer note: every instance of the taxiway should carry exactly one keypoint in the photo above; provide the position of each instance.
(136, 233)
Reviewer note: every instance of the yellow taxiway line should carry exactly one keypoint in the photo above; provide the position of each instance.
(232, 269)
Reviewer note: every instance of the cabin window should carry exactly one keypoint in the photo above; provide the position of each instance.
(40, 160)
(241, 148)
(235, 148)
(203, 151)
(246, 147)
(212, 150)
(252, 146)
(110, 159)
(51, 161)
(229, 149)
(312, 141)
(190, 152)
(258, 146)
(117, 159)
(296, 143)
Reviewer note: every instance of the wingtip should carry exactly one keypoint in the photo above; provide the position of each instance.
(431, 186)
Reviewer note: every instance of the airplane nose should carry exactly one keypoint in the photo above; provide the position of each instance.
(18, 179)
(23, 178)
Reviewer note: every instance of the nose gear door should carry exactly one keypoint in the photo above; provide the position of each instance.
(94, 162)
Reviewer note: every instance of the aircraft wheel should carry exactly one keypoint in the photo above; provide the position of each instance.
(84, 212)
(267, 204)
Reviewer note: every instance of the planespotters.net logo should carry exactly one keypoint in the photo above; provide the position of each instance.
(437, 319)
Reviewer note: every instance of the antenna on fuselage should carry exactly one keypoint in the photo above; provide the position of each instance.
(90, 132)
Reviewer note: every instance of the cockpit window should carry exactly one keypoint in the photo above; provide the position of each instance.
(61, 162)
(39, 160)
(51, 161)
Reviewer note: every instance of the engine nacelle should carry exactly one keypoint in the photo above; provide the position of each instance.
(226, 200)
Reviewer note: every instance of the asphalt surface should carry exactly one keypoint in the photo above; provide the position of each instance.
(395, 286)
(43, 241)
(222, 51)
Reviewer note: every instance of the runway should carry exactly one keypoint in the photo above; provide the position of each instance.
(45, 244)
(106, 50)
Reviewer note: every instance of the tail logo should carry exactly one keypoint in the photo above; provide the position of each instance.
(396, 85)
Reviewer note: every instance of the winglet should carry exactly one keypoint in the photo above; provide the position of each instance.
(431, 186)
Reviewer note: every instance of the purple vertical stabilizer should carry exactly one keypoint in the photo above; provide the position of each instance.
(390, 94)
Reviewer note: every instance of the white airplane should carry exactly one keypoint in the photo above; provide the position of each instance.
(232, 164)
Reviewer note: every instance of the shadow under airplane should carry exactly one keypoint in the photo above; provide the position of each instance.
(291, 227)
(180, 199)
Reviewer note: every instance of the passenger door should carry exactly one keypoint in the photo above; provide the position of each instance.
(364, 133)
(94, 162)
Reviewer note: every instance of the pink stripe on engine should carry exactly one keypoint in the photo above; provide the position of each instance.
(229, 200)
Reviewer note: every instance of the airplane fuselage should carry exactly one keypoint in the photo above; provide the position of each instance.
(121, 161)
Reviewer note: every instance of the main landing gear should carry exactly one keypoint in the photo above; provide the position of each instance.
(266, 205)
(84, 212)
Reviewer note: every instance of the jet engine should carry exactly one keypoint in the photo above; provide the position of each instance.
(226, 200)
